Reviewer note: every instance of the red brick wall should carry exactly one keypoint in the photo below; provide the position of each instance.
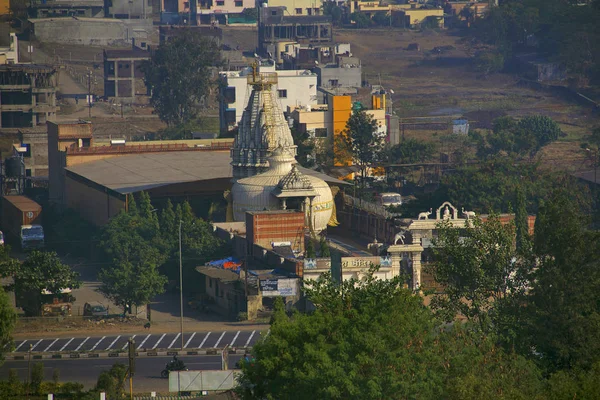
(507, 218)
(275, 226)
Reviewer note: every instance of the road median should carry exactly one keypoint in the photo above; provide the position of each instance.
(122, 354)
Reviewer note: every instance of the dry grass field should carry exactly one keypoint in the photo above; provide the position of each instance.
(428, 84)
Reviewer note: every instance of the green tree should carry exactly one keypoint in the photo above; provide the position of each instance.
(563, 307)
(334, 11)
(36, 378)
(363, 140)
(179, 88)
(411, 151)
(485, 187)
(40, 271)
(489, 62)
(306, 147)
(361, 20)
(578, 384)
(525, 137)
(479, 270)
(522, 221)
(8, 319)
(381, 18)
(310, 249)
(112, 382)
(130, 284)
(372, 339)
(544, 129)
(15, 386)
(323, 247)
(168, 222)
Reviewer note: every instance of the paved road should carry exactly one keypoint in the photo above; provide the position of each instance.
(146, 341)
(147, 377)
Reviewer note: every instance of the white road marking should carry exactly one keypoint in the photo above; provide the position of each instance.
(249, 339)
(144, 341)
(219, 341)
(82, 343)
(35, 345)
(66, 344)
(173, 342)
(189, 340)
(127, 343)
(235, 338)
(159, 340)
(22, 343)
(97, 343)
(51, 344)
(113, 342)
(205, 337)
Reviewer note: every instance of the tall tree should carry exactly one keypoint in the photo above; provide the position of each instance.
(306, 147)
(168, 223)
(479, 270)
(411, 151)
(563, 307)
(179, 76)
(372, 339)
(112, 382)
(40, 271)
(8, 319)
(522, 221)
(130, 284)
(363, 140)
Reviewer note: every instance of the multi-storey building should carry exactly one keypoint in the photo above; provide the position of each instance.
(294, 88)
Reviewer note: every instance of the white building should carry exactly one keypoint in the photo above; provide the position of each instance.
(294, 88)
(9, 51)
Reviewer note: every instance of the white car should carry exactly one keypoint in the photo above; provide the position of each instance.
(389, 199)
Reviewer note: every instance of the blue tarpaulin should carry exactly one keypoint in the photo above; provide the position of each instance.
(219, 263)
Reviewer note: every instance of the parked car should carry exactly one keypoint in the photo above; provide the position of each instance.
(95, 309)
(1, 238)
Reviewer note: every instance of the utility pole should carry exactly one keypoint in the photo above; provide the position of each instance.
(89, 76)
(180, 286)
(29, 370)
(131, 365)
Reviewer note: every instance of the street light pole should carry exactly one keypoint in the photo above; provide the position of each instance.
(180, 286)
(29, 371)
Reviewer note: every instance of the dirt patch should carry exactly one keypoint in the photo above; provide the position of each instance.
(443, 83)
(73, 326)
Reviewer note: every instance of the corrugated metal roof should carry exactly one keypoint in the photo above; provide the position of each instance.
(137, 172)
(134, 173)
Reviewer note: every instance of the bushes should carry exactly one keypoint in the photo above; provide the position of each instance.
(488, 62)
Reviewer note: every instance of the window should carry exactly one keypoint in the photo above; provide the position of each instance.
(321, 132)
(282, 93)
(298, 11)
(333, 82)
(220, 2)
(273, 13)
(239, 3)
(27, 152)
(210, 282)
